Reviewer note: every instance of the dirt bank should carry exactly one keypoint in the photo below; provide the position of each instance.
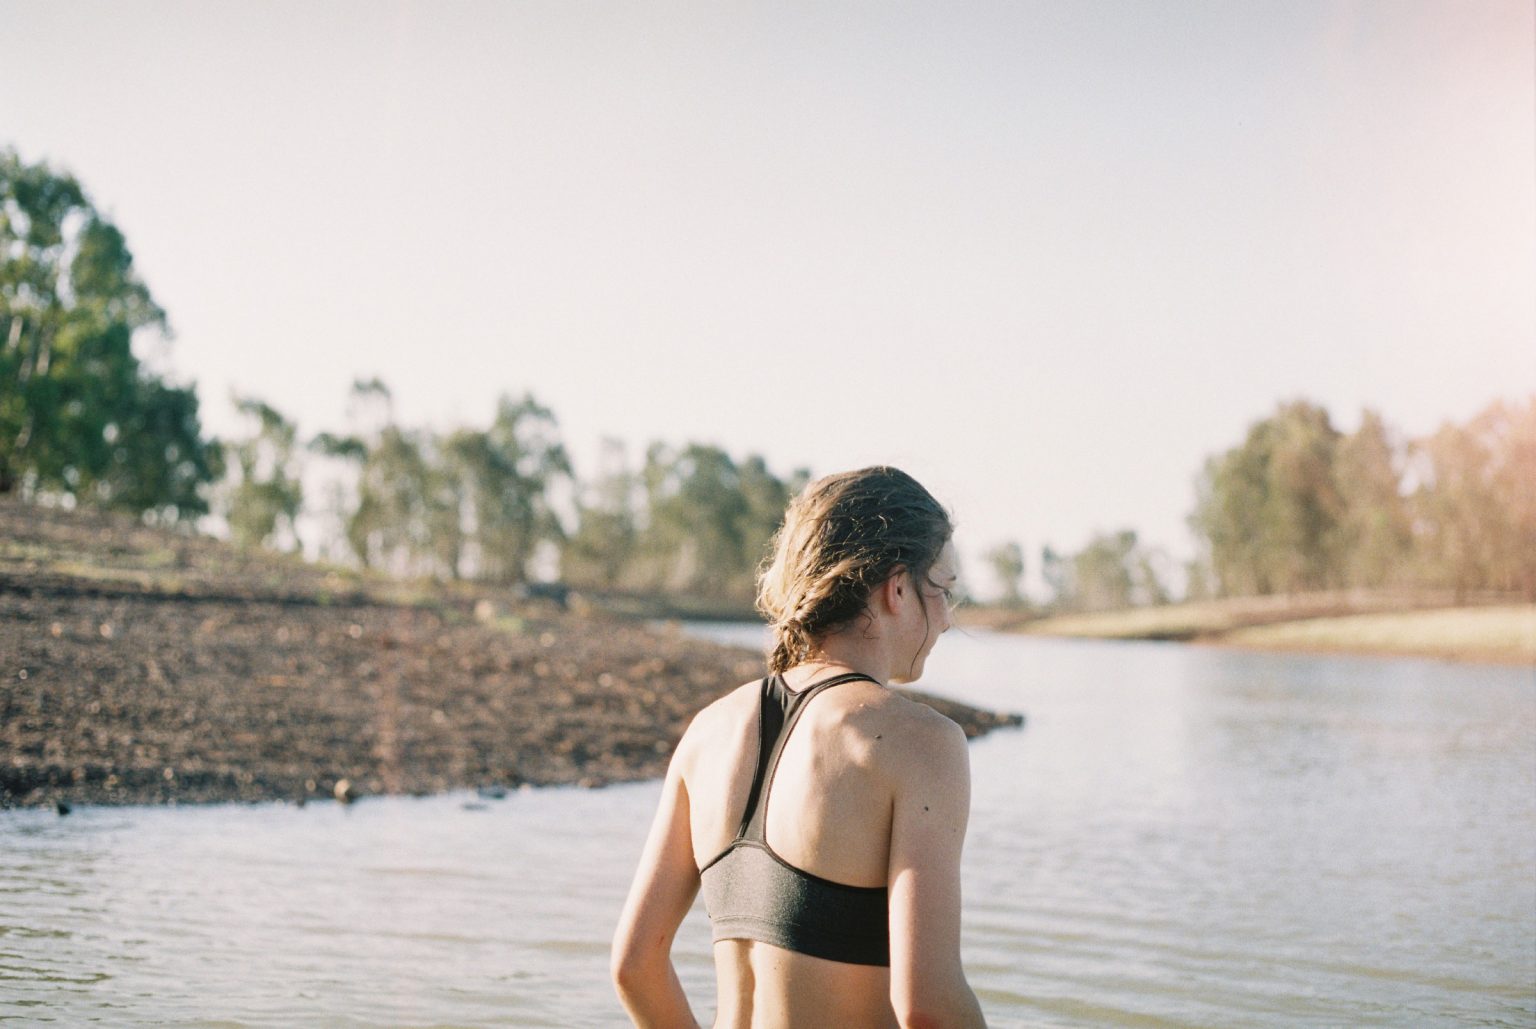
(213, 675)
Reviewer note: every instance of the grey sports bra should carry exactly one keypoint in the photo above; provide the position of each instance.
(753, 894)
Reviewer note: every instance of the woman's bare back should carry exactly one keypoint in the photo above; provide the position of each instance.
(828, 814)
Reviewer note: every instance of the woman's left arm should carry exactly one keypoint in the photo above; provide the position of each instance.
(665, 884)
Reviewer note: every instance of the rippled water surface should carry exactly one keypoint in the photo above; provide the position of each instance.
(1178, 837)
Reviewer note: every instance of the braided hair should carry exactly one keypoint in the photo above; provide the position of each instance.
(842, 537)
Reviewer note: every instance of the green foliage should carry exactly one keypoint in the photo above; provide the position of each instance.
(693, 521)
(698, 518)
(79, 414)
(267, 493)
(1475, 505)
(506, 475)
(604, 545)
(1007, 561)
(481, 503)
(1112, 572)
(475, 503)
(389, 529)
(1270, 509)
(1375, 533)
(1300, 506)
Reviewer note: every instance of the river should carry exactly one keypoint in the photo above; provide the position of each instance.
(1179, 836)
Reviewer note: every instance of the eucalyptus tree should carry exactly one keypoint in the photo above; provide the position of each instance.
(1007, 561)
(1103, 572)
(79, 413)
(1515, 491)
(1114, 570)
(702, 509)
(390, 480)
(1269, 509)
(1303, 504)
(600, 552)
(1375, 528)
(509, 475)
(1056, 570)
(1475, 503)
(708, 520)
(267, 493)
(765, 497)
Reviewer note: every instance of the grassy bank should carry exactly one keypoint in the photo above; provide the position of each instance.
(1505, 634)
(1420, 623)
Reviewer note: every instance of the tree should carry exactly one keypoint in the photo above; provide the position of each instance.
(476, 502)
(267, 493)
(1112, 572)
(1228, 493)
(1056, 570)
(708, 520)
(1514, 486)
(1102, 572)
(1475, 505)
(602, 549)
(1268, 511)
(703, 511)
(1303, 506)
(1149, 576)
(507, 474)
(391, 528)
(1007, 561)
(386, 523)
(1375, 536)
(341, 458)
(79, 414)
(766, 496)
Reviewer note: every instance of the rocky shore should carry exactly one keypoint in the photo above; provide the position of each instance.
(139, 666)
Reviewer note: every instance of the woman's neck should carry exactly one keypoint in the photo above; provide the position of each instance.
(839, 653)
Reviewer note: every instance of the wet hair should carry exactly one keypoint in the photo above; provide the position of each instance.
(842, 537)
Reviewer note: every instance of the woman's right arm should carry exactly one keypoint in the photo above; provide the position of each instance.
(930, 810)
(664, 887)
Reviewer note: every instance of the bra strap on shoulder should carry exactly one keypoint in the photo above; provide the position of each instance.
(772, 696)
(781, 709)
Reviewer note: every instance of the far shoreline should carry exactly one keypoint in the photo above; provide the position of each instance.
(1493, 630)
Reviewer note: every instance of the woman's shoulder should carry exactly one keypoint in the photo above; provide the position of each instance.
(891, 733)
(725, 716)
(904, 713)
(921, 740)
(733, 704)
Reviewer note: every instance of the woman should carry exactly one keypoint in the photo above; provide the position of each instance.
(838, 903)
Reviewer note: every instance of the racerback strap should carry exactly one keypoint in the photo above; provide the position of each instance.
(780, 709)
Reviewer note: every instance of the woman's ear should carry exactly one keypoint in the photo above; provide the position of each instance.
(894, 589)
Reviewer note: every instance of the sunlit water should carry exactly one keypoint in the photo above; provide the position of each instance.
(1179, 837)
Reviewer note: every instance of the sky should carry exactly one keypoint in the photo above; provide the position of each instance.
(1047, 257)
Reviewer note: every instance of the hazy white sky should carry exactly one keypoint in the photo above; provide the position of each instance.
(1045, 256)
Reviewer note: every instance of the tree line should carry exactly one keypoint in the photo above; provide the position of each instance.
(83, 419)
(1301, 506)
(492, 504)
(1297, 505)
(1113, 570)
